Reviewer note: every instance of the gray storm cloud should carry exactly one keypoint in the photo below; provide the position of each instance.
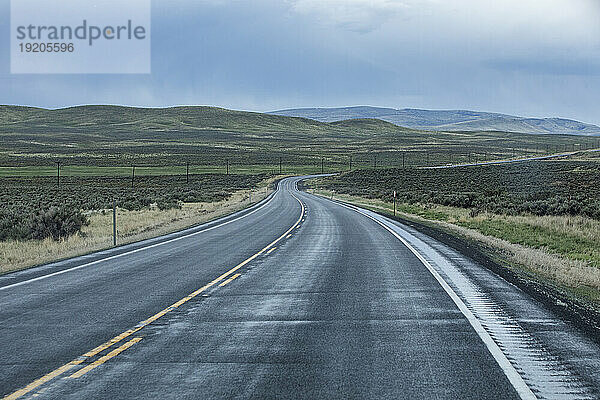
(527, 57)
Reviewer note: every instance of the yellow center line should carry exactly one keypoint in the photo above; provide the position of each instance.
(288, 236)
(272, 250)
(61, 370)
(105, 358)
(38, 382)
(229, 280)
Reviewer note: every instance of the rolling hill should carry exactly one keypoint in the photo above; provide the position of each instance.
(105, 135)
(448, 120)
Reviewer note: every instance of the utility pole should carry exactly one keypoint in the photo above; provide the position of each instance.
(58, 173)
(133, 176)
(114, 223)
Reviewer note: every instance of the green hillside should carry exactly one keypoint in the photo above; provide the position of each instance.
(108, 136)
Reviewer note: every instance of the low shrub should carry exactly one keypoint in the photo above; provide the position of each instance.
(538, 188)
(56, 223)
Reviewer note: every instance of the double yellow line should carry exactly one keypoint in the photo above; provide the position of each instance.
(72, 364)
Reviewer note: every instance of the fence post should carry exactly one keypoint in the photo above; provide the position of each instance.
(58, 173)
(114, 223)
(187, 172)
(133, 176)
(322, 164)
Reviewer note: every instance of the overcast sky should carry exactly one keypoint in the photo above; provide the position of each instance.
(524, 57)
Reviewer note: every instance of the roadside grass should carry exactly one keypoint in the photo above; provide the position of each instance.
(132, 226)
(563, 251)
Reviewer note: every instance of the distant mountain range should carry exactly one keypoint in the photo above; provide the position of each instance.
(448, 120)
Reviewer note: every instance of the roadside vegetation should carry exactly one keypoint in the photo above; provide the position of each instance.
(541, 219)
(537, 188)
(39, 207)
(40, 222)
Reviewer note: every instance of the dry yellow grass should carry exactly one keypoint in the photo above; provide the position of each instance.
(578, 226)
(564, 271)
(132, 226)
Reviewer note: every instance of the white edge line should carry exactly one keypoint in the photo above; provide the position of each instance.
(64, 271)
(509, 370)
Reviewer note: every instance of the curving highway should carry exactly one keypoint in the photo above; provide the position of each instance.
(296, 297)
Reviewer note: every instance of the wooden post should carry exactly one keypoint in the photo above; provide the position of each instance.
(187, 172)
(350, 169)
(403, 154)
(322, 164)
(227, 168)
(280, 166)
(133, 177)
(394, 203)
(58, 173)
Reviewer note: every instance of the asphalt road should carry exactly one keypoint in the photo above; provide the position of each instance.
(299, 297)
